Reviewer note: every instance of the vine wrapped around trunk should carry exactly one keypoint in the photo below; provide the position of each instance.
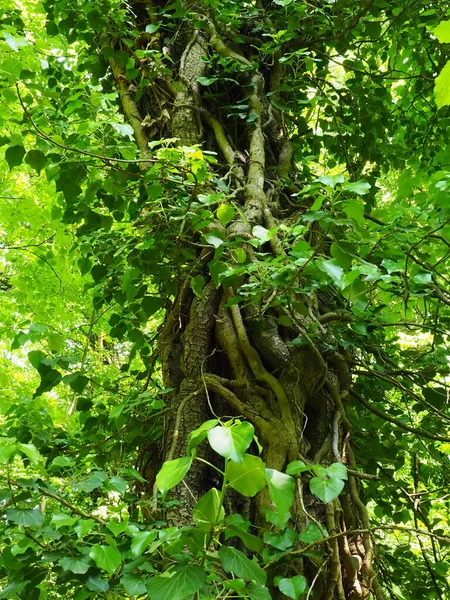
(220, 357)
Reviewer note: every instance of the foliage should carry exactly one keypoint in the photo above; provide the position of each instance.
(97, 232)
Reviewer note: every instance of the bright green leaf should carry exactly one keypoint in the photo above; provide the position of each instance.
(225, 214)
(231, 442)
(442, 87)
(172, 472)
(442, 32)
(141, 540)
(177, 584)
(281, 491)
(208, 511)
(247, 478)
(134, 585)
(106, 558)
(292, 587)
(234, 561)
(326, 489)
(76, 564)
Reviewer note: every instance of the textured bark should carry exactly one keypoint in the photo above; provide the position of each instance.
(228, 360)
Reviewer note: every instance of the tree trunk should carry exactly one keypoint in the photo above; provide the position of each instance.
(271, 362)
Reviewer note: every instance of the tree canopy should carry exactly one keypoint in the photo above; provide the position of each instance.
(225, 299)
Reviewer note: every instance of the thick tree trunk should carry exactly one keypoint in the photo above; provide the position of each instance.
(221, 357)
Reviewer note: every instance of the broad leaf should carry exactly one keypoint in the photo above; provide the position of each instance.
(141, 540)
(234, 561)
(442, 87)
(14, 156)
(172, 472)
(247, 478)
(297, 466)
(256, 591)
(225, 213)
(281, 491)
(201, 433)
(76, 564)
(442, 32)
(252, 542)
(134, 585)
(97, 584)
(292, 587)
(177, 584)
(208, 511)
(337, 470)
(326, 489)
(25, 517)
(107, 558)
(231, 442)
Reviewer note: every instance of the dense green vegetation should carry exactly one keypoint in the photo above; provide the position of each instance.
(225, 299)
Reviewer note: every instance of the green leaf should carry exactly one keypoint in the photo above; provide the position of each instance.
(36, 159)
(255, 591)
(96, 584)
(225, 214)
(25, 517)
(423, 277)
(231, 442)
(15, 42)
(442, 87)
(209, 510)
(172, 472)
(213, 240)
(281, 491)
(94, 481)
(247, 478)
(83, 526)
(141, 540)
(292, 587)
(49, 379)
(206, 80)
(177, 584)
(201, 433)
(106, 558)
(297, 466)
(442, 32)
(78, 382)
(252, 542)
(152, 27)
(326, 489)
(337, 470)
(76, 564)
(134, 585)
(14, 156)
(62, 461)
(234, 561)
(237, 585)
(117, 484)
(8, 450)
(63, 520)
(331, 180)
(354, 210)
(197, 285)
(332, 269)
(282, 540)
(13, 589)
(31, 452)
(360, 187)
(311, 534)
